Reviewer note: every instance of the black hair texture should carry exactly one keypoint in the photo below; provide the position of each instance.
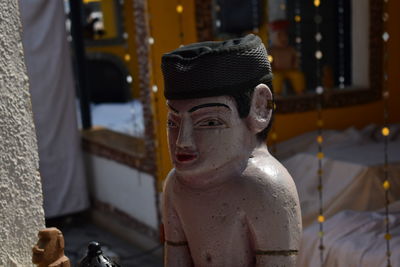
(243, 103)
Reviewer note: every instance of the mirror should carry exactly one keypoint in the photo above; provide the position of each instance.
(339, 47)
(111, 67)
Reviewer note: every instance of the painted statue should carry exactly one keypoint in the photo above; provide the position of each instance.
(49, 250)
(285, 63)
(227, 201)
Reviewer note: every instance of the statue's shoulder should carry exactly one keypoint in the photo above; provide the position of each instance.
(169, 182)
(269, 180)
(173, 189)
(273, 209)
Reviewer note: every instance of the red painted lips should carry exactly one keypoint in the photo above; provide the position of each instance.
(185, 157)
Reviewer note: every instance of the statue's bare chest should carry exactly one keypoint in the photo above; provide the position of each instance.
(216, 228)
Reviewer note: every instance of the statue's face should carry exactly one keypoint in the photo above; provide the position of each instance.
(208, 141)
(47, 248)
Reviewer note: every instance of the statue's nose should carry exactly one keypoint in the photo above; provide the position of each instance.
(185, 136)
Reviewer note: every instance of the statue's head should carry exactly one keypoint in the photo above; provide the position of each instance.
(49, 247)
(220, 107)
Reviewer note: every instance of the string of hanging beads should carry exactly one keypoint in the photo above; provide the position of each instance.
(179, 11)
(151, 42)
(254, 9)
(385, 128)
(341, 40)
(297, 20)
(125, 36)
(320, 155)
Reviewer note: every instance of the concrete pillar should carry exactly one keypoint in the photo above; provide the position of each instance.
(21, 212)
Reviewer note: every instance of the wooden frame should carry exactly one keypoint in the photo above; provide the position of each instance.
(139, 153)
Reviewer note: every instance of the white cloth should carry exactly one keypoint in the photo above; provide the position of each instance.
(352, 190)
(353, 239)
(48, 62)
(352, 173)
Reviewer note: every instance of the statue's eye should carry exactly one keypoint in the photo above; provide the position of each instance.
(210, 123)
(171, 124)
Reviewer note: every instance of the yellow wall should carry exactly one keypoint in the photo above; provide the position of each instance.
(165, 26)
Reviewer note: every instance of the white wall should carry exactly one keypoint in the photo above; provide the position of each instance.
(123, 187)
(21, 212)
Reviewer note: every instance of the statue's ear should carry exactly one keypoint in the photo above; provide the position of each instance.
(260, 109)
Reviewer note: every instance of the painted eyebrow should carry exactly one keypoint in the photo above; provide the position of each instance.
(171, 108)
(201, 106)
(208, 105)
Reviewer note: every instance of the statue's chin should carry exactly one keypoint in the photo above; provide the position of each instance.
(211, 172)
(37, 258)
(205, 178)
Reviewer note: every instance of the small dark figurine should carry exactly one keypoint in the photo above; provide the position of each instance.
(95, 257)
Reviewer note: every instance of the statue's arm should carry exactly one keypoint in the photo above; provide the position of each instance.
(276, 227)
(176, 249)
(61, 262)
(177, 256)
(279, 261)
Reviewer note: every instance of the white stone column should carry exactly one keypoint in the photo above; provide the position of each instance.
(21, 212)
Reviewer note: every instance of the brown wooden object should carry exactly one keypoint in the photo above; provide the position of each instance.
(49, 250)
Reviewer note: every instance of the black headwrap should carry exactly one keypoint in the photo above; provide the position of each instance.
(215, 68)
